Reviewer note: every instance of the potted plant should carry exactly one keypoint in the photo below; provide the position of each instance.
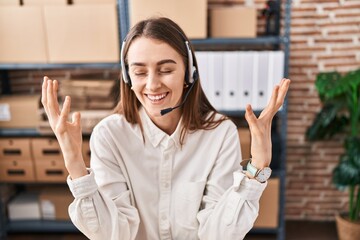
(340, 114)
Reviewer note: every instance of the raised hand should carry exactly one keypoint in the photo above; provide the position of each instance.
(68, 133)
(260, 127)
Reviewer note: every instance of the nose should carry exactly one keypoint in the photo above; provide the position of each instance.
(153, 82)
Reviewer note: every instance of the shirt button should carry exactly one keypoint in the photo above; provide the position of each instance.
(163, 217)
(166, 185)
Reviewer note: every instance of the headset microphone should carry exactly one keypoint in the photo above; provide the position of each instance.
(167, 110)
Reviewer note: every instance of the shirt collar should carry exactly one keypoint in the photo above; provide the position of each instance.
(155, 134)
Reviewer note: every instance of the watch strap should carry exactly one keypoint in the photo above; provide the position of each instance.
(251, 169)
(247, 166)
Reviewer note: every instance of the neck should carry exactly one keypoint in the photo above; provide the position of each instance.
(169, 122)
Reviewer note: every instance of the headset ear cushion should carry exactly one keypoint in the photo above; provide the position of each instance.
(126, 76)
(194, 75)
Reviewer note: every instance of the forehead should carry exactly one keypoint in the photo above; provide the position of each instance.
(147, 50)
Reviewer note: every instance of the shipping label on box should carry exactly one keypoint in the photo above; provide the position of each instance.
(5, 114)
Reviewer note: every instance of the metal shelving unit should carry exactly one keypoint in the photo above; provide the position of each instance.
(41, 226)
(123, 17)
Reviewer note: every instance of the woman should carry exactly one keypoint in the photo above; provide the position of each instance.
(166, 165)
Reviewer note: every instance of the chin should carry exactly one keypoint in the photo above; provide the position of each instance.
(153, 112)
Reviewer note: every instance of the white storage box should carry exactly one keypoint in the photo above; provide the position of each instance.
(25, 206)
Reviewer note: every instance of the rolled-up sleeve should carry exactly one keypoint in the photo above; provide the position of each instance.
(102, 208)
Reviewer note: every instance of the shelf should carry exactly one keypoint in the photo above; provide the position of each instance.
(41, 226)
(264, 231)
(267, 40)
(25, 132)
(28, 132)
(25, 66)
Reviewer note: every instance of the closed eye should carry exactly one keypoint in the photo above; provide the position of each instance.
(165, 72)
(139, 73)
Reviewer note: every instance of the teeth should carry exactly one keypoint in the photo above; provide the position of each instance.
(156, 97)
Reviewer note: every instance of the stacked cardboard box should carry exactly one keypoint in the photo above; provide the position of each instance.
(50, 31)
(245, 142)
(233, 22)
(269, 205)
(54, 203)
(49, 162)
(190, 15)
(13, 109)
(16, 163)
(88, 94)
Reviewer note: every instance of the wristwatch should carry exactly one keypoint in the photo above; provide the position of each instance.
(259, 174)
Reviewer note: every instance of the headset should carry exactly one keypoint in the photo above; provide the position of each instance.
(191, 77)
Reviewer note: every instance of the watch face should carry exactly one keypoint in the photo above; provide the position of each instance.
(264, 175)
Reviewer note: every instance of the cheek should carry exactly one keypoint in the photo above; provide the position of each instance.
(137, 89)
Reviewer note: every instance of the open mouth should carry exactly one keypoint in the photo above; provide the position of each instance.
(156, 97)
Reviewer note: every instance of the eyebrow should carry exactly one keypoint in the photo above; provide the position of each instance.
(158, 63)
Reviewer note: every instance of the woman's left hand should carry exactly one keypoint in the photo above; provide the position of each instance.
(260, 127)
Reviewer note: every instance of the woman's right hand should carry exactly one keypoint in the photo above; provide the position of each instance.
(68, 133)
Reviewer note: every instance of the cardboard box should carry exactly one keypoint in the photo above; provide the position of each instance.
(46, 149)
(269, 205)
(190, 15)
(25, 206)
(22, 35)
(245, 142)
(94, 2)
(9, 2)
(51, 171)
(17, 149)
(233, 22)
(14, 108)
(17, 171)
(44, 2)
(82, 33)
(86, 152)
(54, 203)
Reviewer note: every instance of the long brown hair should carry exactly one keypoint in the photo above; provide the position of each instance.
(197, 112)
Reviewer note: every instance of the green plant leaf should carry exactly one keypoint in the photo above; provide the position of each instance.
(346, 173)
(326, 82)
(344, 85)
(352, 146)
(327, 123)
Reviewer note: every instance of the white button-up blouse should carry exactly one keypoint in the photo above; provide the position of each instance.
(158, 189)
